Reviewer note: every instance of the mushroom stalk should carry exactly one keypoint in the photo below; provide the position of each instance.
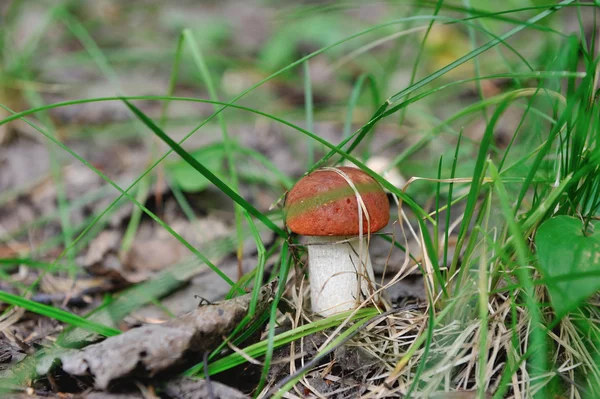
(335, 272)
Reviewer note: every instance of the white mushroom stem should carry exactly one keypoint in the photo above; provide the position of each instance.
(335, 271)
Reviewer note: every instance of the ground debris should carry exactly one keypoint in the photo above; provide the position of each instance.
(353, 358)
(105, 395)
(153, 249)
(9, 353)
(181, 388)
(153, 349)
(187, 388)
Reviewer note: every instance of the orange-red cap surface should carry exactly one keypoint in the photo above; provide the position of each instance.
(324, 204)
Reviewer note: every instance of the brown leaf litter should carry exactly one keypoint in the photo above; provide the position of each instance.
(153, 249)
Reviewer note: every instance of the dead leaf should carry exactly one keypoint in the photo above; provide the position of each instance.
(101, 258)
(153, 249)
(106, 242)
(147, 351)
(76, 292)
(13, 250)
(155, 254)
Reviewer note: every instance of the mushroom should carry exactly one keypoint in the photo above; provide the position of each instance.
(324, 206)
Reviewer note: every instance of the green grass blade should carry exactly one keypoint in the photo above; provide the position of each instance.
(198, 58)
(420, 52)
(479, 51)
(355, 96)
(538, 345)
(283, 274)
(476, 184)
(308, 111)
(58, 314)
(204, 171)
(260, 348)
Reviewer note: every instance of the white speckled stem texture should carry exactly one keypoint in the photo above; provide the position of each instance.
(334, 269)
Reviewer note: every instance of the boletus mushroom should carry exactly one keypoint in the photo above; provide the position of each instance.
(331, 206)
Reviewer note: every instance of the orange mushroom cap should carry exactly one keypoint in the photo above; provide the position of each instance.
(324, 204)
